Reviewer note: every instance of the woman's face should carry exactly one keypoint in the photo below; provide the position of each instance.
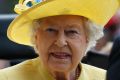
(61, 42)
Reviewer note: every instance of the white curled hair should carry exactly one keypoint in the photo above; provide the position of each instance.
(93, 31)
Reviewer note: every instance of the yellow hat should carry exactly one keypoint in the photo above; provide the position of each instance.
(98, 11)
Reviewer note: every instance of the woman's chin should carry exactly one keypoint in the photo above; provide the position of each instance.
(59, 68)
(59, 64)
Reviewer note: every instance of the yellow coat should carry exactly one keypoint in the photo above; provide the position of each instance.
(33, 70)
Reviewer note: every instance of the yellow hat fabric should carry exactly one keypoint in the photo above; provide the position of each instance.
(98, 11)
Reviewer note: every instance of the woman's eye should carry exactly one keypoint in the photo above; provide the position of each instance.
(72, 33)
(51, 31)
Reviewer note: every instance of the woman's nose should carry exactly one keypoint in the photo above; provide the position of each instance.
(61, 40)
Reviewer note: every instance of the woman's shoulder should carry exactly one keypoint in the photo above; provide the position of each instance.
(2, 75)
(93, 72)
(18, 70)
(93, 68)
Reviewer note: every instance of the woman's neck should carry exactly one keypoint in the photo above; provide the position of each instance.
(73, 75)
(61, 76)
(65, 76)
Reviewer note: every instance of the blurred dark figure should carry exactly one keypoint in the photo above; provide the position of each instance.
(113, 72)
(114, 61)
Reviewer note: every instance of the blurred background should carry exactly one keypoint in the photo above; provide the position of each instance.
(10, 52)
(7, 6)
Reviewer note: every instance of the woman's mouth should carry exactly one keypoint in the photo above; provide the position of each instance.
(60, 55)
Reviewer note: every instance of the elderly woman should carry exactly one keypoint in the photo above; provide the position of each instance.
(61, 31)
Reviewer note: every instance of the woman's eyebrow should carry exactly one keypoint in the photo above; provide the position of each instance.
(74, 26)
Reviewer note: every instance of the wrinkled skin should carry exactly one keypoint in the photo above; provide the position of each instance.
(61, 42)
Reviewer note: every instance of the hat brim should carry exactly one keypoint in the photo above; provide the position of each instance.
(98, 11)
